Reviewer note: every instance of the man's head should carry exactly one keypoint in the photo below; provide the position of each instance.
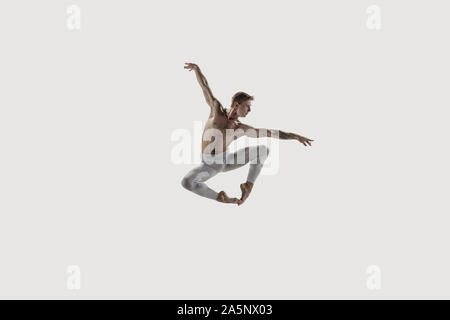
(240, 104)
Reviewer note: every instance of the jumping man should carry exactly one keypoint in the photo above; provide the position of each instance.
(224, 126)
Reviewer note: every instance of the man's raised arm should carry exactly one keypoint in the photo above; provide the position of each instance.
(210, 99)
(251, 132)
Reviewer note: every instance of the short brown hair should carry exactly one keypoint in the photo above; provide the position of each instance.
(240, 97)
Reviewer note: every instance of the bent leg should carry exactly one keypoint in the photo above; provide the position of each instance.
(256, 155)
(195, 181)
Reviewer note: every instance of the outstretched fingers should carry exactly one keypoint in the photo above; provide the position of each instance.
(305, 141)
(189, 66)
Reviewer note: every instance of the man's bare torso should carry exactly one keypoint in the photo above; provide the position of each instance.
(218, 121)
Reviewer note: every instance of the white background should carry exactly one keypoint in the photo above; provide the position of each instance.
(86, 176)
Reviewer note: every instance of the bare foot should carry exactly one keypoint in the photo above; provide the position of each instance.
(222, 197)
(246, 188)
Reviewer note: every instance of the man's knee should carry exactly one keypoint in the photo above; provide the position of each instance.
(190, 183)
(187, 183)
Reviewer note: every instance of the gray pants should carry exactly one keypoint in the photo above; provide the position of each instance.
(213, 164)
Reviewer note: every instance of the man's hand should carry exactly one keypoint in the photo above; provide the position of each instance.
(301, 139)
(190, 66)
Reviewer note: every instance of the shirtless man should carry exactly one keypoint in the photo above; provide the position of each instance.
(224, 126)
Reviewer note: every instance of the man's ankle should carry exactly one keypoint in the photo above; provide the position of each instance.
(249, 184)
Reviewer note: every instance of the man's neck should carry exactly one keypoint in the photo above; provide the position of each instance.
(232, 115)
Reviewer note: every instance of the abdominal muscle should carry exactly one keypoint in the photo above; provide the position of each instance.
(216, 124)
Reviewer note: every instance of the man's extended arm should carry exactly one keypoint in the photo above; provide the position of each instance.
(210, 99)
(251, 132)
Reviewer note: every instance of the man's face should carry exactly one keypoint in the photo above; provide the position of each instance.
(243, 108)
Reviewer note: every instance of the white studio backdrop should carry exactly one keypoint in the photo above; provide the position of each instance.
(91, 202)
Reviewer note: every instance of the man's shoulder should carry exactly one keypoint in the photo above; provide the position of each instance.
(219, 110)
(216, 103)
